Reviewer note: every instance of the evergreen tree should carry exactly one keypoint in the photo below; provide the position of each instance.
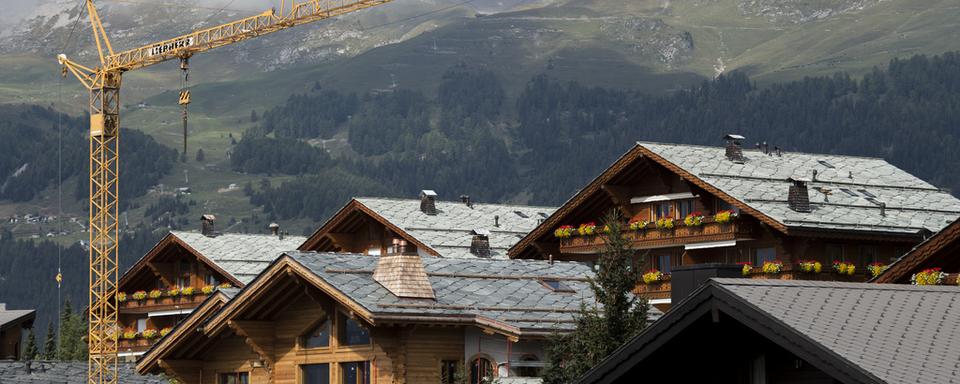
(50, 345)
(599, 331)
(200, 156)
(73, 331)
(253, 116)
(30, 351)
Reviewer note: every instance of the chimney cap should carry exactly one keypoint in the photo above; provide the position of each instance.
(208, 217)
(733, 136)
(428, 193)
(794, 179)
(273, 226)
(481, 232)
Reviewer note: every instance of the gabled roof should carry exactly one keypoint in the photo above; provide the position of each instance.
(14, 317)
(184, 328)
(449, 232)
(857, 332)
(241, 257)
(940, 250)
(845, 196)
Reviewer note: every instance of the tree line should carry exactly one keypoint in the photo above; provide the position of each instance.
(557, 135)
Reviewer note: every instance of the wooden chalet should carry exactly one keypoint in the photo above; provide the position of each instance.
(747, 331)
(453, 229)
(397, 318)
(939, 254)
(180, 272)
(12, 324)
(688, 205)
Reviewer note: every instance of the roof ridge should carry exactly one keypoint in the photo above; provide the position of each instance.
(458, 202)
(746, 149)
(285, 236)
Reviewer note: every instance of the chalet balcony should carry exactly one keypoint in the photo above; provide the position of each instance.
(659, 290)
(651, 237)
(163, 303)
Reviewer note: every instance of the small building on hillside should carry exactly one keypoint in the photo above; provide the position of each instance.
(397, 318)
(938, 257)
(799, 213)
(747, 331)
(180, 272)
(12, 324)
(461, 229)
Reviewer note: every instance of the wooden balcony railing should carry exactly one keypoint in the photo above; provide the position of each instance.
(652, 237)
(661, 289)
(161, 303)
(136, 345)
(653, 291)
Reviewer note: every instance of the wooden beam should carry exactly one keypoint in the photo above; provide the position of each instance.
(185, 371)
(158, 274)
(259, 336)
(345, 241)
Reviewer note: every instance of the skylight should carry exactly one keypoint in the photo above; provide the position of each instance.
(849, 192)
(825, 164)
(543, 215)
(556, 285)
(521, 214)
(866, 193)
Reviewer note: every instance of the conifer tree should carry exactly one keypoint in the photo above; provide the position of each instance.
(30, 351)
(601, 330)
(50, 345)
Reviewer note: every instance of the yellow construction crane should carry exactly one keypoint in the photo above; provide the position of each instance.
(104, 82)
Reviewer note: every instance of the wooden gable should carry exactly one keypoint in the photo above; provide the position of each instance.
(355, 228)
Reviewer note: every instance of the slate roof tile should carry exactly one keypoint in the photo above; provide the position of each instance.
(242, 255)
(761, 182)
(449, 232)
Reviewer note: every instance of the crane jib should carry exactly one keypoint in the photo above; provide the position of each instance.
(160, 49)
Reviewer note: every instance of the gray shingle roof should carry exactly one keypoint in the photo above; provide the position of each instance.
(899, 333)
(242, 255)
(501, 290)
(9, 316)
(449, 232)
(912, 205)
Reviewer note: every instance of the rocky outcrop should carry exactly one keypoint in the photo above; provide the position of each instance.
(801, 11)
(64, 372)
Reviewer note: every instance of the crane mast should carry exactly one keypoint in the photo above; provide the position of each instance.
(103, 83)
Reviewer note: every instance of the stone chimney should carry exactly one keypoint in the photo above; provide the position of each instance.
(465, 199)
(206, 225)
(480, 246)
(401, 272)
(3, 306)
(428, 202)
(798, 198)
(734, 148)
(275, 229)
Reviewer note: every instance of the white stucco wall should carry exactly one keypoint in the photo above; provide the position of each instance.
(498, 349)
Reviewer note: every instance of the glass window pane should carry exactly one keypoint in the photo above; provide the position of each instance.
(356, 373)
(351, 333)
(685, 207)
(481, 370)
(244, 378)
(763, 255)
(663, 263)
(664, 210)
(316, 373)
(319, 337)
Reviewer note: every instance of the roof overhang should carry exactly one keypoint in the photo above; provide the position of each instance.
(355, 206)
(180, 333)
(707, 300)
(909, 263)
(24, 320)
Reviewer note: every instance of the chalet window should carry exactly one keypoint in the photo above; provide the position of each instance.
(834, 252)
(662, 210)
(318, 337)
(234, 378)
(684, 208)
(315, 374)
(481, 370)
(725, 206)
(448, 371)
(663, 263)
(869, 254)
(351, 332)
(183, 278)
(355, 373)
(141, 325)
(762, 255)
(210, 279)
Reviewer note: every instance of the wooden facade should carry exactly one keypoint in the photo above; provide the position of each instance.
(358, 229)
(175, 279)
(939, 251)
(291, 327)
(646, 188)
